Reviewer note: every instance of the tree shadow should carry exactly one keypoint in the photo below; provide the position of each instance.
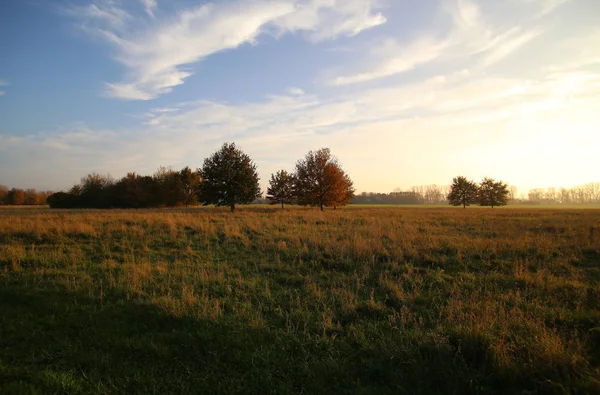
(53, 340)
(56, 341)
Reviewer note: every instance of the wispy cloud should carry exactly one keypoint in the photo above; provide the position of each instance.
(436, 120)
(325, 19)
(149, 6)
(470, 36)
(542, 7)
(159, 52)
(3, 83)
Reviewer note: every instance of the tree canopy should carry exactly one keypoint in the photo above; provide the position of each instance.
(493, 193)
(320, 181)
(462, 192)
(281, 188)
(229, 177)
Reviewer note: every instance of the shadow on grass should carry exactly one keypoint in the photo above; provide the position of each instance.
(55, 341)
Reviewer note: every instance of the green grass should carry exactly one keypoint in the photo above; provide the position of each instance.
(356, 300)
(508, 207)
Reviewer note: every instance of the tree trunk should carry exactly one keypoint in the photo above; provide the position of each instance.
(232, 206)
(281, 203)
(464, 205)
(321, 206)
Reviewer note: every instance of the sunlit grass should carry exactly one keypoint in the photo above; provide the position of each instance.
(356, 300)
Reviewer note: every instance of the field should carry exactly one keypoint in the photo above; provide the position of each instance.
(357, 300)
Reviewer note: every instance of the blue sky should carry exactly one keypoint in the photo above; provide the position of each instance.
(403, 92)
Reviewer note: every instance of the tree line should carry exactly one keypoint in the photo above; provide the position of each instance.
(462, 192)
(581, 194)
(424, 194)
(227, 178)
(22, 197)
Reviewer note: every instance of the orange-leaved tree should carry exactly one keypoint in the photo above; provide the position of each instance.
(321, 181)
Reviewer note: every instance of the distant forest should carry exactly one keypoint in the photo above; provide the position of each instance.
(421, 195)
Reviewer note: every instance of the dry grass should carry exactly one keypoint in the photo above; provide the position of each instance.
(369, 300)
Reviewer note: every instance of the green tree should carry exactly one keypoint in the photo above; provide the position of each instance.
(167, 185)
(493, 193)
(134, 191)
(189, 184)
(320, 181)
(281, 188)
(462, 192)
(229, 177)
(96, 191)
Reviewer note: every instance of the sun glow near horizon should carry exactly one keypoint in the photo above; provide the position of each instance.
(403, 94)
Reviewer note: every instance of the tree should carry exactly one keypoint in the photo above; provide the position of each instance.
(229, 178)
(31, 197)
(15, 197)
(462, 192)
(167, 184)
(512, 193)
(281, 188)
(320, 181)
(42, 197)
(134, 191)
(493, 193)
(189, 184)
(341, 189)
(3, 193)
(61, 200)
(96, 191)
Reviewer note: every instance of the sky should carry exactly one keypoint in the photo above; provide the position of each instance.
(403, 92)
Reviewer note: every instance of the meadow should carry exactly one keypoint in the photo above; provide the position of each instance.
(358, 300)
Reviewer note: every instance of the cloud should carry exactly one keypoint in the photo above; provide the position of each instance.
(447, 124)
(470, 36)
(3, 83)
(326, 19)
(294, 91)
(149, 6)
(104, 12)
(543, 7)
(159, 52)
(421, 51)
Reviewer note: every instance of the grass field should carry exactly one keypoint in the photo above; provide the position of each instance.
(358, 300)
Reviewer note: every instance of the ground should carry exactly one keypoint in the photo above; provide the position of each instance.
(356, 300)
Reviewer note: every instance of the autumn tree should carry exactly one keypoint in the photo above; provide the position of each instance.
(31, 197)
(42, 198)
(229, 177)
(189, 184)
(462, 192)
(3, 193)
(492, 193)
(320, 181)
(281, 188)
(15, 197)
